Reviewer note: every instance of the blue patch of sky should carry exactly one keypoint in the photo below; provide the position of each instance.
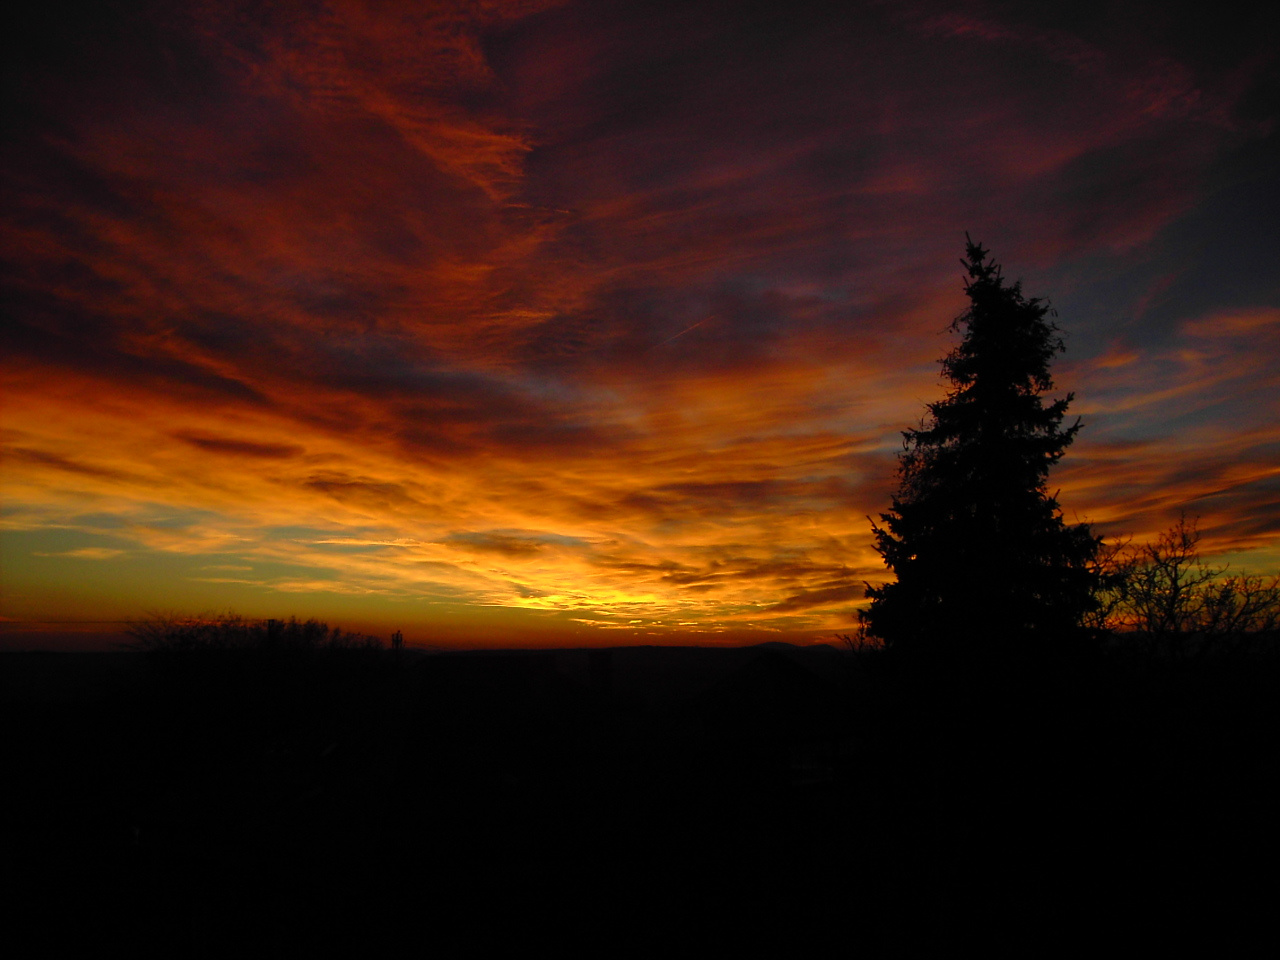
(164, 518)
(329, 546)
(57, 540)
(99, 521)
(311, 534)
(1222, 252)
(512, 533)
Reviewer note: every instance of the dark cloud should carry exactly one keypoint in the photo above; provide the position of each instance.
(363, 491)
(807, 599)
(504, 544)
(780, 572)
(45, 333)
(239, 447)
(67, 465)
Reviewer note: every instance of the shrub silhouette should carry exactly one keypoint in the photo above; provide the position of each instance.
(167, 633)
(1175, 605)
(978, 546)
(275, 658)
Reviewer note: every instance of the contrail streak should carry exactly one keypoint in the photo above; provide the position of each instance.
(682, 332)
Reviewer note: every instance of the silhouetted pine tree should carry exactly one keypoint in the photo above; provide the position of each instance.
(978, 546)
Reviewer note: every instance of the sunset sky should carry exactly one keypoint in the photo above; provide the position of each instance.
(599, 322)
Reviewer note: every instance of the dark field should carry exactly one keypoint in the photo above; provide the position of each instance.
(634, 800)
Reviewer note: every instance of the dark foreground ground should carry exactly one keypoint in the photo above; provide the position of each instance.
(641, 799)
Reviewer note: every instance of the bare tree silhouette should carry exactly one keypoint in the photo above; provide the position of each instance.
(1176, 605)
